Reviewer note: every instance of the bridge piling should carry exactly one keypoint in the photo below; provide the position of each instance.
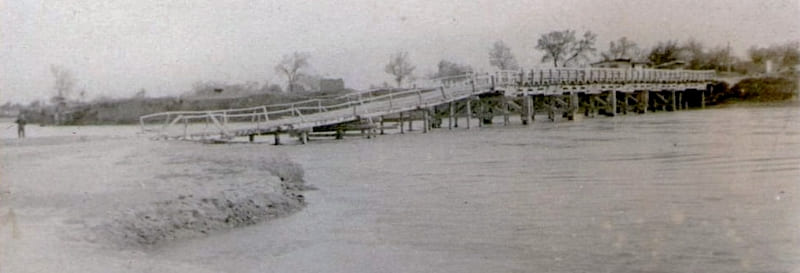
(410, 121)
(685, 101)
(527, 109)
(481, 115)
(468, 114)
(611, 103)
(644, 97)
(450, 116)
(574, 103)
(702, 99)
(455, 114)
(504, 104)
(425, 121)
(589, 106)
(303, 137)
(339, 133)
(400, 123)
(429, 116)
(436, 117)
(673, 100)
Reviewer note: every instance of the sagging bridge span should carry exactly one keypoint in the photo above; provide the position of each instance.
(559, 92)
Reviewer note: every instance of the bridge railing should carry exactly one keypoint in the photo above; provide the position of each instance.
(573, 76)
(579, 76)
(203, 123)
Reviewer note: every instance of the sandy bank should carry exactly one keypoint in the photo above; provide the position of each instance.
(89, 203)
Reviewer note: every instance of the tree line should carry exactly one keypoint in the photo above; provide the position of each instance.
(563, 48)
(566, 48)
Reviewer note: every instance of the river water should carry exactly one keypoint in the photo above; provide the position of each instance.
(714, 190)
(694, 191)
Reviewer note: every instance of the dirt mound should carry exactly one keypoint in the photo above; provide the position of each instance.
(202, 213)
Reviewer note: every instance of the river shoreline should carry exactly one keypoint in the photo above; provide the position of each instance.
(104, 197)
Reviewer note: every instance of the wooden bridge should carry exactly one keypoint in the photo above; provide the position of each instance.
(557, 92)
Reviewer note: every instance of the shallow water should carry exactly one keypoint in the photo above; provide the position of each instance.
(712, 191)
(715, 190)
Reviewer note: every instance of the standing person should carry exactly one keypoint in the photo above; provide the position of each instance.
(21, 126)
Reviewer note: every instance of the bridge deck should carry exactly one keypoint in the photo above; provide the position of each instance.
(307, 115)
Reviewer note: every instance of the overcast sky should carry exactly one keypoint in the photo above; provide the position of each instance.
(115, 48)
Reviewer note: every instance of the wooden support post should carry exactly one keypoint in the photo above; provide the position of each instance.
(624, 103)
(468, 114)
(426, 121)
(679, 99)
(455, 114)
(527, 109)
(436, 119)
(551, 112)
(450, 116)
(702, 99)
(432, 119)
(381, 119)
(277, 138)
(400, 122)
(481, 112)
(612, 101)
(573, 105)
(410, 120)
(303, 137)
(504, 104)
(644, 101)
(251, 137)
(339, 133)
(673, 100)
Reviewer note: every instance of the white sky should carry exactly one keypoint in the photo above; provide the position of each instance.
(115, 48)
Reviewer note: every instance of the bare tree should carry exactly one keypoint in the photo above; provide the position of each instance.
(693, 53)
(664, 52)
(500, 56)
(400, 67)
(719, 58)
(621, 49)
(564, 47)
(64, 82)
(291, 66)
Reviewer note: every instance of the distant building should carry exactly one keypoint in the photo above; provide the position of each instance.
(328, 85)
(620, 63)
